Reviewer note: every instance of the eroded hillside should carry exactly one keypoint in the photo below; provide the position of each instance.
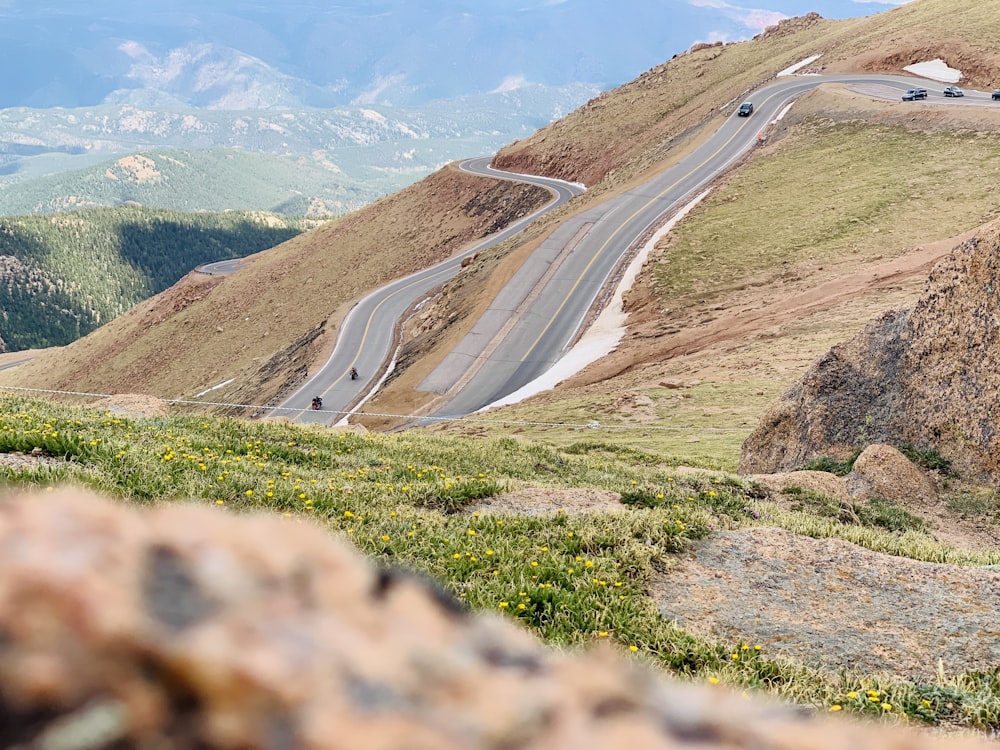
(266, 324)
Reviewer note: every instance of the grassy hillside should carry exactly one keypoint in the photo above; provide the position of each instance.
(572, 578)
(65, 275)
(263, 326)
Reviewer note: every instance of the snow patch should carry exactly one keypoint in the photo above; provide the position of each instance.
(214, 388)
(936, 70)
(801, 64)
(605, 334)
(781, 115)
(510, 83)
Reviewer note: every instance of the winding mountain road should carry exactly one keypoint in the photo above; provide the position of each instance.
(537, 316)
(367, 337)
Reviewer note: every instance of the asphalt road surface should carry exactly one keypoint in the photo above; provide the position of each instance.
(222, 267)
(536, 317)
(367, 337)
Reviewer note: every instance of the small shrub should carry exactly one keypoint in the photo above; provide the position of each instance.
(646, 497)
(634, 455)
(810, 501)
(977, 502)
(887, 515)
(831, 465)
(875, 513)
(449, 497)
(927, 458)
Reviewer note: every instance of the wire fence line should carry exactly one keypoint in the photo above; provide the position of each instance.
(417, 418)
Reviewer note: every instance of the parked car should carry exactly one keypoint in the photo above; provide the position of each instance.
(996, 94)
(953, 91)
(745, 110)
(913, 94)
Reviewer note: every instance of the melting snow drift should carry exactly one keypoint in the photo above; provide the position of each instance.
(936, 70)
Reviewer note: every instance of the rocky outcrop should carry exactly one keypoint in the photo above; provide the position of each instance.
(183, 627)
(928, 376)
(882, 471)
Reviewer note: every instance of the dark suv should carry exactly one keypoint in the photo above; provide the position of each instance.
(914, 94)
(745, 110)
(996, 95)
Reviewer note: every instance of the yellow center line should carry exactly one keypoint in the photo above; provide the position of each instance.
(371, 319)
(621, 226)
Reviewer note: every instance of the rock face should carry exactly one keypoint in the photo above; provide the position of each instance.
(928, 376)
(184, 627)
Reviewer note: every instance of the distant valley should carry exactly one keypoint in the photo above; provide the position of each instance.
(354, 101)
(296, 162)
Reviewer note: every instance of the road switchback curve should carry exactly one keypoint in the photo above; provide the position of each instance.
(539, 313)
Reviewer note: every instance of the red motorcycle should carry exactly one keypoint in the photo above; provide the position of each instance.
(317, 404)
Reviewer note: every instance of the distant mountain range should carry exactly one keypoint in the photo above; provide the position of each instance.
(315, 161)
(364, 96)
(248, 54)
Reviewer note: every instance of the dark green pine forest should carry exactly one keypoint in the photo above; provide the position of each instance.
(63, 275)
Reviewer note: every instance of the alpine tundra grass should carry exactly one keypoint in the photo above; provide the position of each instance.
(404, 500)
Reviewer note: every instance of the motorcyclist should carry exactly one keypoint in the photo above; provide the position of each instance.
(354, 373)
(317, 403)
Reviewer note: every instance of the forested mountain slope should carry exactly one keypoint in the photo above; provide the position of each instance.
(62, 276)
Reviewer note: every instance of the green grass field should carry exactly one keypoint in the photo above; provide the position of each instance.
(402, 500)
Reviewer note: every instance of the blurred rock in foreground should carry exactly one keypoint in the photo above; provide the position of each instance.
(927, 376)
(184, 627)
